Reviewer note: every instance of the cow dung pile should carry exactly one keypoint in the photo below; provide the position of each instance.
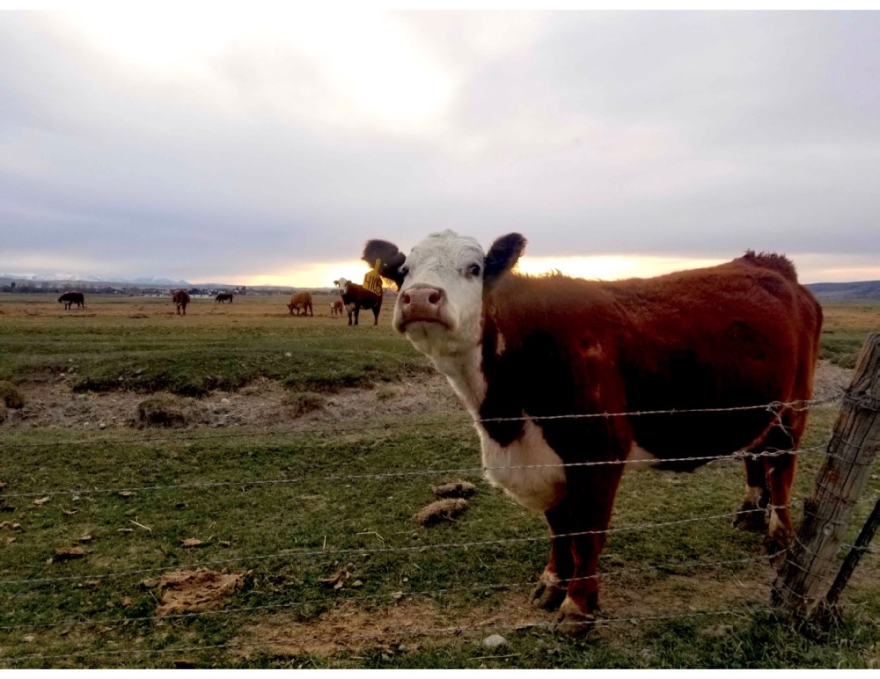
(441, 510)
(10, 395)
(304, 402)
(162, 410)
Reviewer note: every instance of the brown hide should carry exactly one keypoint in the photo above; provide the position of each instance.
(734, 335)
(357, 297)
(302, 302)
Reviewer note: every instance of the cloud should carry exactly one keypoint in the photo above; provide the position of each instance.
(193, 146)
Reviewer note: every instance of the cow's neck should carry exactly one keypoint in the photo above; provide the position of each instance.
(462, 364)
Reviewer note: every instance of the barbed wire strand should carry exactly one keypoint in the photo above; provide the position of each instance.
(737, 455)
(386, 550)
(374, 597)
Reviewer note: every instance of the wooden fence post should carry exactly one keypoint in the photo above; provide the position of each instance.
(851, 452)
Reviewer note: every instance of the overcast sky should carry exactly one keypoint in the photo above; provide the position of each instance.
(267, 147)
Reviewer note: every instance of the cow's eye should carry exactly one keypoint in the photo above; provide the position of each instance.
(474, 270)
(404, 270)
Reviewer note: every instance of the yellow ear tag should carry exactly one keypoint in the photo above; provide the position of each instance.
(372, 279)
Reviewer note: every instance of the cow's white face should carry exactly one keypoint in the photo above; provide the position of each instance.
(440, 302)
(342, 285)
(441, 286)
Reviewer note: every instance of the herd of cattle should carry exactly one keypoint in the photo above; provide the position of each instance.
(353, 298)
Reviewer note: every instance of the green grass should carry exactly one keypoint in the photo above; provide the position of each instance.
(212, 348)
(348, 497)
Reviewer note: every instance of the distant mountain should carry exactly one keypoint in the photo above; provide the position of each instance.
(70, 278)
(846, 292)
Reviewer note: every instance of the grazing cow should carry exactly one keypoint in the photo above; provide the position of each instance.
(301, 301)
(71, 298)
(181, 299)
(336, 308)
(355, 297)
(517, 349)
(223, 297)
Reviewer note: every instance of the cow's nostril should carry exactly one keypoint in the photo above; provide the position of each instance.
(406, 298)
(434, 298)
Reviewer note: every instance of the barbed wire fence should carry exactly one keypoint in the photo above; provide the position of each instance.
(843, 450)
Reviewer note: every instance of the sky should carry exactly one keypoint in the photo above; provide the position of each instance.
(266, 146)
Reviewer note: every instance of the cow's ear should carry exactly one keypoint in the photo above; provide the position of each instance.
(502, 257)
(392, 259)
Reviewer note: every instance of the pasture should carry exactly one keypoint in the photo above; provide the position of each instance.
(306, 448)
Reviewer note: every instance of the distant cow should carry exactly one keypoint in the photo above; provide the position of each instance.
(539, 360)
(223, 297)
(71, 298)
(355, 297)
(336, 308)
(301, 301)
(181, 299)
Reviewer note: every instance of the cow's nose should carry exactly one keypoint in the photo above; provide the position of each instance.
(422, 302)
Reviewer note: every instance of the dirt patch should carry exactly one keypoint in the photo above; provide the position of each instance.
(349, 628)
(202, 589)
(50, 404)
(265, 403)
(830, 379)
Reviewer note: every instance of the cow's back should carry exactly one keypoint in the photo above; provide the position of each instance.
(740, 334)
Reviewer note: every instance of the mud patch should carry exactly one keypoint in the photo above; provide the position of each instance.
(50, 404)
(202, 589)
(349, 628)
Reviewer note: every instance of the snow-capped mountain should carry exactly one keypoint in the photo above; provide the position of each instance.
(63, 277)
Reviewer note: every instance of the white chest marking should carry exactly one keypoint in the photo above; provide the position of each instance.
(538, 488)
(639, 458)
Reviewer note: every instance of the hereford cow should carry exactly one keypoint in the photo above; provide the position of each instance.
(301, 301)
(71, 298)
(223, 297)
(519, 349)
(336, 308)
(355, 297)
(181, 299)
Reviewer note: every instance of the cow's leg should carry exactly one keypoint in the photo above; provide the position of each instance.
(780, 477)
(585, 515)
(350, 314)
(375, 316)
(757, 497)
(551, 589)
(779, 471)
(357, 311)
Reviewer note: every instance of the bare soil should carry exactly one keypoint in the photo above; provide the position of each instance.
(50, 404)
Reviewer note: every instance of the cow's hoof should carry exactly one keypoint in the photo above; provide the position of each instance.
(752, 520)
(776, 545)
(574, 624)
(548, 596)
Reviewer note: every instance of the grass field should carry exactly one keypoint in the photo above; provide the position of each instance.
(312, 505)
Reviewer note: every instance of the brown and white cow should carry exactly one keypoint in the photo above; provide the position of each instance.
(742, 333)
(355, 297)
(181, 299)
(336, 307)
(301, 302)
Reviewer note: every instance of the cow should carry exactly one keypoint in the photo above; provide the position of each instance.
(223, 297)
(303, 301)
(520, 349)
(336, 308)
(71, 298)
(181, 299)
(355, 297)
